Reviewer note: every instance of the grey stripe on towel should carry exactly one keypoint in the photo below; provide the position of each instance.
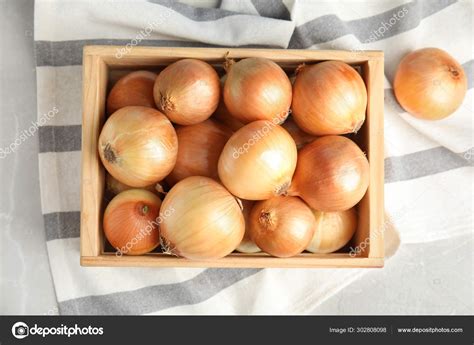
(425, 163)
(272, 9)
(69, 53)
(59, 138)
(197, 14)
(61, 225)
(158, 297)
(330, 27)
(319, 30)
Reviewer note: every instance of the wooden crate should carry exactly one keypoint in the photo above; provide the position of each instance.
(101, 64)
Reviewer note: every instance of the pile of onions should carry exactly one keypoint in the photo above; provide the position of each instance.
(282, 226)
(138, 146)
(430, 84)
(329, 98)
(301, 138)
(199, 148)
(257, 89)
(258, 161)
(333, 230)
(201, 220)
(332, 174)
(247, 245)
(130, 222)
(251, 178)
(187, 91)
(136, 88)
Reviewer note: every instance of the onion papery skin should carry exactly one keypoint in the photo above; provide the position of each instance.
(247, 245)
(332, 174)
(199, 148)
(130, 222)
(300, 137)
(187, 91)
(282, 226)
(201, 220)
(257, 89)
(430, 84)
(329, 98)
(138, 146)
(333, 230)
(136, 88)
(258, 161)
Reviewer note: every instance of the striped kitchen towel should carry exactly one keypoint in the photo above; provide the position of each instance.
(428, 164)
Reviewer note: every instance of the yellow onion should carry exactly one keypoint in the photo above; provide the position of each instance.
(333, 230)
(223, 116)
(258, 161)
(430, 84)
(136, 88)
(332, 174)
(257, 89)
(138, 146)
(301, 138)
(199, 148)
(247, 245)
(187, 91)
(205, 221)
(282, 226)
(114, 186)
(329, 98)
(131, 222)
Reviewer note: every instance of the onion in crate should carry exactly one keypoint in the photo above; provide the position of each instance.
(131, 222)
(187, 91)
(138, 146)
(282, 226)
(201, 220)
(199, 148)
(332, 174)
(329, 98)
(333, 230)
(136, 88)
(223, 116)
(257, 89)
(114, 186)
(258, 161)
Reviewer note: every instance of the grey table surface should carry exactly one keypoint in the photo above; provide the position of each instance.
(430, 278)
(26, 286)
